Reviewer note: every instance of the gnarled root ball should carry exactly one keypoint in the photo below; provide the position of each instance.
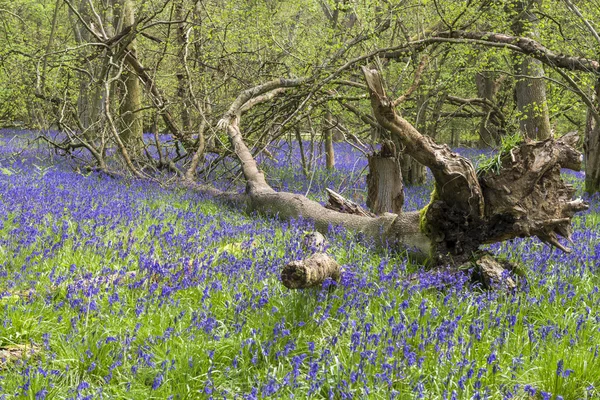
(526, 196)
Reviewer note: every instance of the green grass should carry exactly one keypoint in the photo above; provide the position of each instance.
(233, 327)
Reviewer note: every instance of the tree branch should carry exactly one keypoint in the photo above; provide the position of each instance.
(526, 46)
(415, 84)
(456, 180)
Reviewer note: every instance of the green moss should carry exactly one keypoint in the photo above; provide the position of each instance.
(423, 219)
(423, 211)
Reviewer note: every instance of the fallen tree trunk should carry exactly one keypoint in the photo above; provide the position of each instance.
(400, 231)
(523, 196)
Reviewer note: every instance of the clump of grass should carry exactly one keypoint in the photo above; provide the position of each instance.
(493, 163)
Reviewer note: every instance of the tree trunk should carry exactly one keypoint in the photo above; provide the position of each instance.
(90, 98)
(377, 134)
(413, 172)
(385, 191)
(182, 82)
(454, 137)
(328, 133)
(592, 146)
(526, 198)
(531, 99)
(305, 166)
(489, 129)
(133, 125)
(530, 88)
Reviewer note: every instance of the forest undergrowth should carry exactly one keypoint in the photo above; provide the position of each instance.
(112, 288)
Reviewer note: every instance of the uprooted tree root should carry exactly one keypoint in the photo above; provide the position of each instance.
(527, 197)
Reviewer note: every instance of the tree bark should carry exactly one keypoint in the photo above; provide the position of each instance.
(526, 198)
(339, 203)
(592, 146)
(530, 88)
(132, 127)
(312, 271)
(456, 180)
(385, 191)
(298, 133)
(531, 99)
(90, 98)
(182, 84)
(328, 133)
(493, 273)
(489, 127)
(413, 173)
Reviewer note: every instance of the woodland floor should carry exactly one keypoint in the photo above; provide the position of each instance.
(118, 289)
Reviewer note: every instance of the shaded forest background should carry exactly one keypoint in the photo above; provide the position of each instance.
(104, 72)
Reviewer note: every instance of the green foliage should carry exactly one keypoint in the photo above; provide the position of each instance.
(234, 45)
(493, 163)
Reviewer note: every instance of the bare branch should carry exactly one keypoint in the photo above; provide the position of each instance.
(415, 84)
(587, 23)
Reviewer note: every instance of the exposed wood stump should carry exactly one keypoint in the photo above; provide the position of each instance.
(493, 273)
(524, 194)
(311, 271)
(339, 203)
(384, 181)
(314, 242)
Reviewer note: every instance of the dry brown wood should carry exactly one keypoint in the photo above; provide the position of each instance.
(12, 353)
(493, 273)
(530, 192)
(339, 203)
(312, 271)
(385, 190)
(527, 197)
(466, 210)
